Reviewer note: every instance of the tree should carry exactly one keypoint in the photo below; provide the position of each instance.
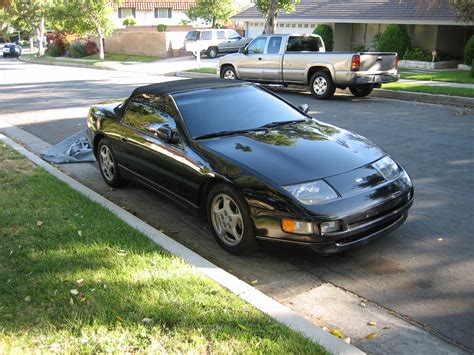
(210, 11)
(269, 10)
(394, 39)
(84, 17)
(465, 10)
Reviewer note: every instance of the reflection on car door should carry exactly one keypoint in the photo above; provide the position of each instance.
(251, 64)
(272, 60)
(144, 149)
(234, 40)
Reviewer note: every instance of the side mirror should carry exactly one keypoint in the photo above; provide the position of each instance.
(304, 108)
(169, 135)
(243, 50)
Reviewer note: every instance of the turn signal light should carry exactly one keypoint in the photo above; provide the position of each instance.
(297, 227)
(355, 64)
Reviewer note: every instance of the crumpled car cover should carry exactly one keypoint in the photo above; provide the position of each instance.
(75, 149)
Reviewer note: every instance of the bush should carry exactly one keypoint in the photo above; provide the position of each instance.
(417, 53)
(56, 39)
(359, 47)
(472, 69)
(53, 51)
(129, 21)
(78, 50)
(161, 28)
(469, 51)
(394, 39)
(325, 32)
(68, 39)
(91, 48)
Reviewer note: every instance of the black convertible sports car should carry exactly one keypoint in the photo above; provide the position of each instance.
(258, 166)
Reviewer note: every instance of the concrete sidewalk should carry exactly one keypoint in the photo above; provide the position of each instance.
(437, 83)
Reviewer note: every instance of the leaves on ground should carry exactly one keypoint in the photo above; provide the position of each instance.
(371, 335)
(372, 323)
(336, 332)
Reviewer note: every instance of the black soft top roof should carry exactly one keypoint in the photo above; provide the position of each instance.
(175, 86)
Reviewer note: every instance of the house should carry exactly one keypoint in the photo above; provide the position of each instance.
(431, 24)
(152, 12)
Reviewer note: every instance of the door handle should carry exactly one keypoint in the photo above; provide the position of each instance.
(260, 58)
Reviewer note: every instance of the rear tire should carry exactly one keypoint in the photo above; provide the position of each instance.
(228, 72)
(361, 90)
(212, 52)
(229, 218)
(108, 165)
(322, 86)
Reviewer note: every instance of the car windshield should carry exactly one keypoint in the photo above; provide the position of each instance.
(235, 108)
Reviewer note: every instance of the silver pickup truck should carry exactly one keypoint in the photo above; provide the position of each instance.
(302, 60)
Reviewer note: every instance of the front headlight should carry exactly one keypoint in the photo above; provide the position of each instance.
(387, 168)
(312, 193)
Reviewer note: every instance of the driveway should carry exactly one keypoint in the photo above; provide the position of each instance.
(423, 272)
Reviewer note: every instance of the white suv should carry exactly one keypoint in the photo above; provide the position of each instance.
(214, 41)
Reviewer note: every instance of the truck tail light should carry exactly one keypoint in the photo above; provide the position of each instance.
(396, 61)
(355, 64)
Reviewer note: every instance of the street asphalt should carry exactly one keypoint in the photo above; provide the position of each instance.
(422, 272)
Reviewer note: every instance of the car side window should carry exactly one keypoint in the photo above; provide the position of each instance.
(206, 35)
(148, 113)
(303, 44)
(257, 46)
(233, 35)
(274, 45)
(220, 35)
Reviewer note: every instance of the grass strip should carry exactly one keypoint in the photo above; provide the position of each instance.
(204, 70)
(125, 57)
(453, 76)
(76, 279)
(439, 90)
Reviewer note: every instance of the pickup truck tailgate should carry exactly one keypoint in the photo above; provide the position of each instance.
(378, 62)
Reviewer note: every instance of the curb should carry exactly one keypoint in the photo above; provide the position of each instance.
(425, 98)
(33, 61)
(246, 292)
(193, 75)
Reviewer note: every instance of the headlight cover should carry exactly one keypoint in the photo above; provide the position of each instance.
(312, 193)
(387, 168)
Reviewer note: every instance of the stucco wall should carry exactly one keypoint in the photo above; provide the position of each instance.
(147, 18)
(451, 40)
(423, 36)
(342, 36)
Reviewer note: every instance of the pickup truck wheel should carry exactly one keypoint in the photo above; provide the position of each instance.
(321, 86)
(228, 72)
(361, 90)
(212, 52)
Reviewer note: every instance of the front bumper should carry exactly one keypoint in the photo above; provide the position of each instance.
(359, 227)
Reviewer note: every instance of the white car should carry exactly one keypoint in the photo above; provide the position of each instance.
(214, 41)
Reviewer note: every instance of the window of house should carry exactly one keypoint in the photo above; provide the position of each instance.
(206, 35)
(124, 13)
(163, 13)
(287, 25)
(306, 25)
(300, 25)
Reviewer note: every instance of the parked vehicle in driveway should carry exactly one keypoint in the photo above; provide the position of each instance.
(214, 41)
(302, 60)
(11, 50)
(258, 167)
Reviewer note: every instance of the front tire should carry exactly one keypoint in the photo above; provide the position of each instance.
(361, 90)
(108, 165)
(212, 52)
(229, 217)
(228, 72)
(322, 86)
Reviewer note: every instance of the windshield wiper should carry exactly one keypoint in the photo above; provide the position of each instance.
(230, 133)
(280, 123)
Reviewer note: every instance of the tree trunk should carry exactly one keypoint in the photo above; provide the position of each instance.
(271, 18)
(31, 44)
(40, 36)
(101, 43)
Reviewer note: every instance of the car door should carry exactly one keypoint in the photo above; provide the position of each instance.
(235, 41)
(272, 60)
(251, 63)
(146, 152)
(222, 42)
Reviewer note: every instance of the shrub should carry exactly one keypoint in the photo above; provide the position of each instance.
(68, 39)
(417, 53)
(56, 39)
(469, 51)
(325, 31)
(161, 28)
(78, 50)
(129, 21)
(394, 39)
(472, 69)
(53, 51)
(91, 48)
(359, 47)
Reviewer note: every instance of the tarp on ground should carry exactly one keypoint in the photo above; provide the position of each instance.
(74, 149)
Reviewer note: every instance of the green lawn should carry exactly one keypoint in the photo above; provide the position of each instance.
(125, 57)
(204, 70)
(76, 279)
(453, 76)
(443, 90)
(47, 59)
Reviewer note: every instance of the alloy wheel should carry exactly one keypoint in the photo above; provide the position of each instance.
(229, 74)
(227, 219)
(320, 85)
(107, 163)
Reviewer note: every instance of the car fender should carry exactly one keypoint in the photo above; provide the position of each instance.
(311, 66)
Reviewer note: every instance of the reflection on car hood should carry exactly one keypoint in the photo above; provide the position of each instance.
(296, 153)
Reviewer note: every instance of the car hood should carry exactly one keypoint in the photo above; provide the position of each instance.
(297, 152)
